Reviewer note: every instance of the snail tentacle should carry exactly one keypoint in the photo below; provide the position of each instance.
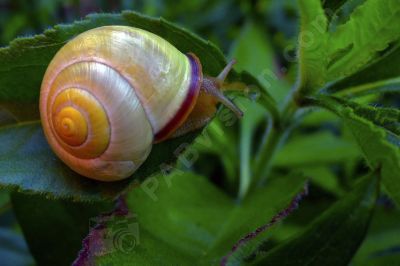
(213, 87)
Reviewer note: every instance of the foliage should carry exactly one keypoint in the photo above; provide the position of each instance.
(312, 44)
(378, 124)
(60, 221)
(329, 115)
(347, 218)
(185, 212)
(348, 51)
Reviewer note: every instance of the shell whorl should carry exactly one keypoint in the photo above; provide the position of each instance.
(107, 93)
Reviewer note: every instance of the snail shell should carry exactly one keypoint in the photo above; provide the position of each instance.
(110, 93)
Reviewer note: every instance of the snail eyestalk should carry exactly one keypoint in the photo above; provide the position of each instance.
(212, 86)
(224, 73)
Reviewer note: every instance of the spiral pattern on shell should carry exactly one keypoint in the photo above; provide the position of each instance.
(108, 92)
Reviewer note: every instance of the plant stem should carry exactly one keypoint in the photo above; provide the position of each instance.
(245, 170)
(277, 132)
(267, 151)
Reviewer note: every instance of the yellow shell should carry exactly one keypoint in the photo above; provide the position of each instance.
(107, 93)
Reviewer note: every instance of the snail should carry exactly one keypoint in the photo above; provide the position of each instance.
(113, 91)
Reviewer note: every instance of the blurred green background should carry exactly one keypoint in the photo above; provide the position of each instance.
(219, 21)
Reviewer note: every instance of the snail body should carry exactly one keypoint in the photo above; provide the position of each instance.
(111, 92)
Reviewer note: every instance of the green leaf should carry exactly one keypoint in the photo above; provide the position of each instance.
(262, 95)
(324, 178)
(376, 131)
(381, 246)
(254, 53)
(184, 219)
(258, 66)
(333, 5)
(29, 57)
(356, 42)
(320, 117)
(27, 164)
(383, 75)
(6, 117)
(339, 11)
(248, 125)
(383, 258)
(378, 151)
(334, 237)
(4, 198)
(316, 149)
(260, 56)
(388, 118)
(54, 229)
(312, 45)
(11, 113)
(4, 201)
(382, 86)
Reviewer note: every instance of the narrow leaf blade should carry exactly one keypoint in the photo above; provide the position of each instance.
(312, 42)
(355, 43)
(334, 237)
(376, 131)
